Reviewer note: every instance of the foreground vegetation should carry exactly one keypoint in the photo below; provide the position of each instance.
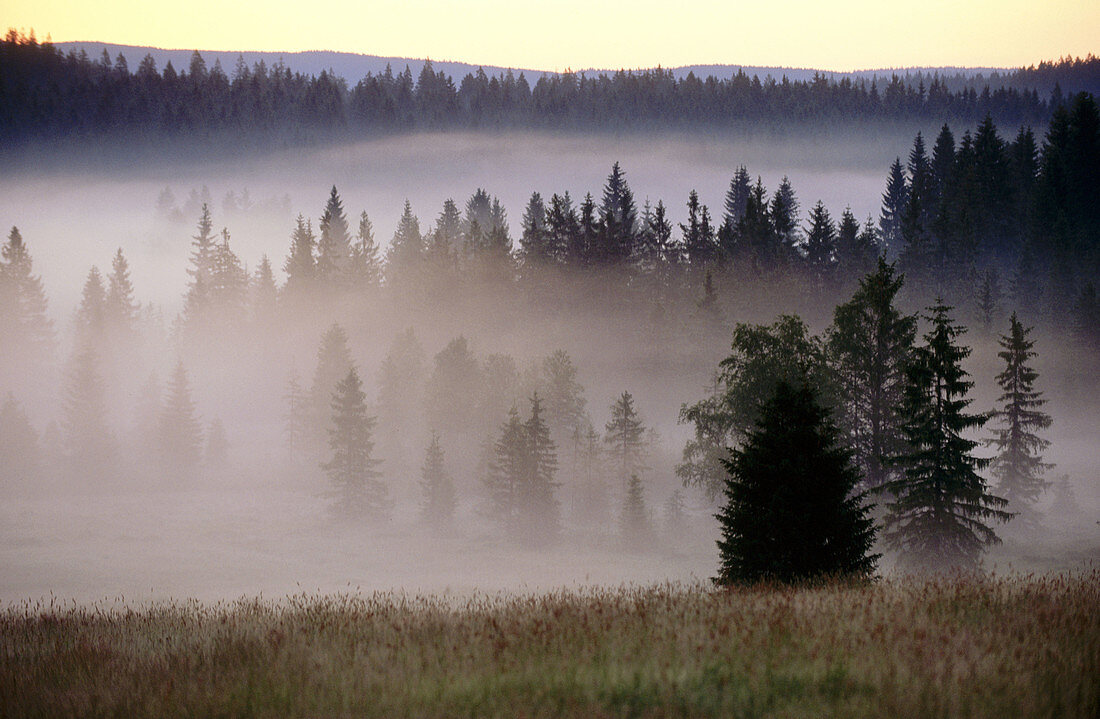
(953, 647)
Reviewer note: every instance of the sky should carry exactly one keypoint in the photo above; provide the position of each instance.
(578, 34)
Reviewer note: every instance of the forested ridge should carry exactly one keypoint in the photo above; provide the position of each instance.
(45, 93)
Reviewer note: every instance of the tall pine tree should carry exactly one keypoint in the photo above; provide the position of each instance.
(1019, 466)
(940, 515)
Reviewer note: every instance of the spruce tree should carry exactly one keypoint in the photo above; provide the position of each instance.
(868, 346)
(405, 252)
(792, 512)
(438, 504)
(333, 363)
(821, 247)
(334, 246)
(625, 437)
(121, 308)
(359, 491)
(784, 218)
(263, 295)
(365, 265)
(1019, 466)
(202, 264)
(942, 506)
(89, 441)
(179, 431)
(24, 323)
(91, 316)
(505, 472)
(564, 402)
(539, 511)
(894, 202)
(301, 263)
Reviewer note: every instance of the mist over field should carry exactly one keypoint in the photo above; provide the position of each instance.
(113, 202)
(259, 520)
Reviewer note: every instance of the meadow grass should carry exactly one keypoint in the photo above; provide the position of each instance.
(951, 647)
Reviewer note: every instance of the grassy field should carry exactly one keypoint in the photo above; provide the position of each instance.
(1000, 647)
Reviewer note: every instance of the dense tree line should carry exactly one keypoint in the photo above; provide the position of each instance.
(983, 220)
(899, 404)
(803, 435)
(45, 93)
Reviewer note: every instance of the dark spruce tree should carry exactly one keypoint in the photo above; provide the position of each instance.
(1019, 466)
(792, 513)
(942, 508)
(359, 492)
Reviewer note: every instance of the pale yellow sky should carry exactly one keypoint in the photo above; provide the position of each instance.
(854, 34)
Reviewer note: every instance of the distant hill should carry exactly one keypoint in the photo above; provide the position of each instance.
(353, 67)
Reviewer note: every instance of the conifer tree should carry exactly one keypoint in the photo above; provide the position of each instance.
(91, 316)
(365, 265)
(24, 323)
(564, 402)
(334, 246)
(618, 219)
(737, 196)
(202, 264)
(333, 363)
(506, 473)
(894, 202)
(179, 430)
(562, 227)
(625, 437)
(264, 295)
(454, 388)
(792, 512)
(868, 346)
(821, 246)
(405, 251)
(784, 219)
(352, 469)
(227, 291)
(301, 263)
(1018, 466)
(539, 511)
(438, 503)
(941, 509)
(856, 249)
(534, 242)
(121, 307)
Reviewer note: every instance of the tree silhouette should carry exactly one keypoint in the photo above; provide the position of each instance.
(1018, 465)
(359, 492)
(792, 512)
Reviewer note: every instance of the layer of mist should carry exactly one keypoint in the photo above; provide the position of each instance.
(254, 514)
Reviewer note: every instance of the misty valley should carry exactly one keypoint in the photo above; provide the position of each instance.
(458, 394)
